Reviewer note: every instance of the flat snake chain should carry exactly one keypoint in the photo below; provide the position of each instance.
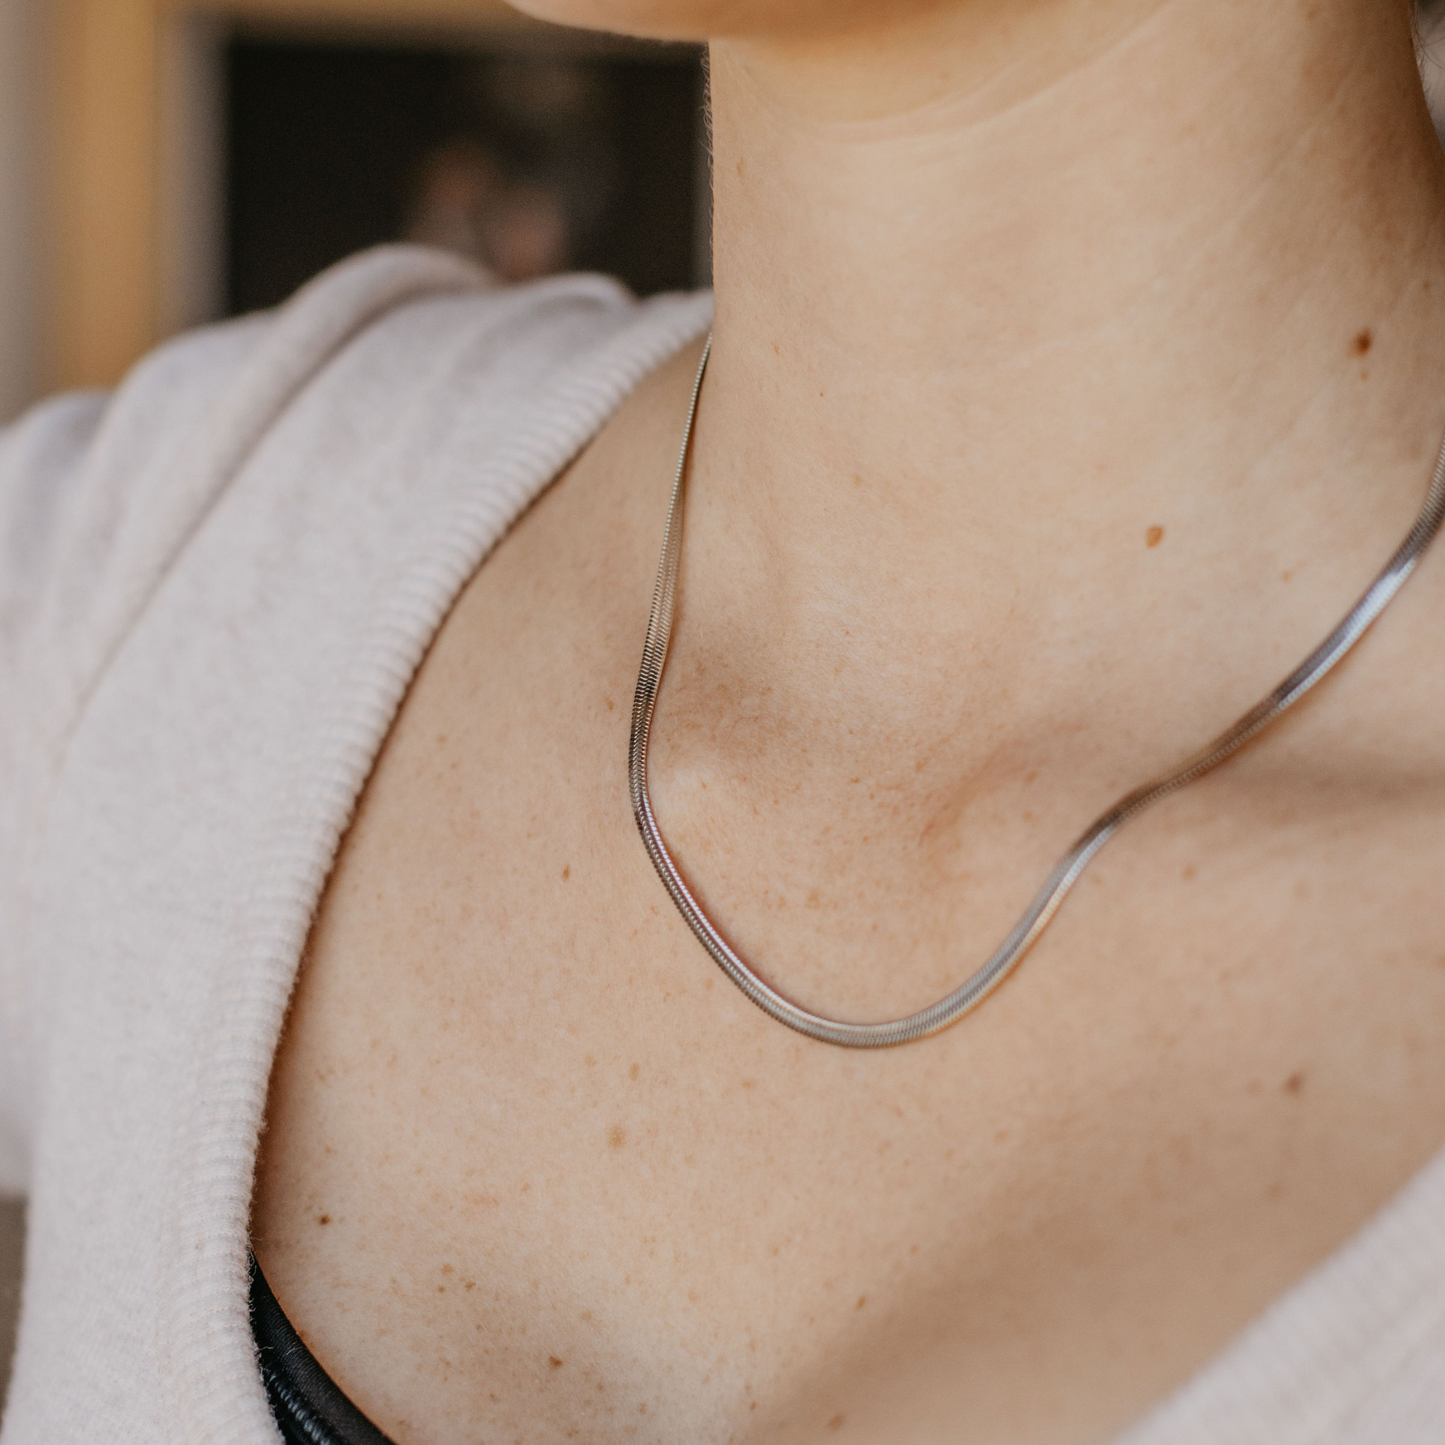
(1025, 933)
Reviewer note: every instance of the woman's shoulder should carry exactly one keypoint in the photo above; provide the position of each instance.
(401, 347)
(239, 556)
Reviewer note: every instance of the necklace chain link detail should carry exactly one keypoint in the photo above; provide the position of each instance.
(1037, 917)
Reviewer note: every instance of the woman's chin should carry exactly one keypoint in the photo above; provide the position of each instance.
(692, 20)
(700, 20)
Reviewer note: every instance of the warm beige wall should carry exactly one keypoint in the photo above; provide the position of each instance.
(22, 63)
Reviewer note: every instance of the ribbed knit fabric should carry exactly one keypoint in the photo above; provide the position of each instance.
(214, 589)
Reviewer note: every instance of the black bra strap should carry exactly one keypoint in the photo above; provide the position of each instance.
(309, 1406)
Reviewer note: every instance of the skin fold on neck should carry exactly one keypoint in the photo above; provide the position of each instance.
(1003, 289)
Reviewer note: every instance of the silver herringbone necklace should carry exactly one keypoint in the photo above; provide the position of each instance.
(1025, 933)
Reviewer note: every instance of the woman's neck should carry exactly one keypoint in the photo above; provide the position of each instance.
(1003, 289)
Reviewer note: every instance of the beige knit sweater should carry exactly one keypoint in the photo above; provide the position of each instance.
(214, 588)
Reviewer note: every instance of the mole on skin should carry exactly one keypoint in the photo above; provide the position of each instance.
(1154, 536)
(1363, 342)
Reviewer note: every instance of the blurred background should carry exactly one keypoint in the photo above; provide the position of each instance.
(165, 163)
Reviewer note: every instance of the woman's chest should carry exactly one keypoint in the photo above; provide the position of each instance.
(534, 1169)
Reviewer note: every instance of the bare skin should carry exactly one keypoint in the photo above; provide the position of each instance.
(1077, 364)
